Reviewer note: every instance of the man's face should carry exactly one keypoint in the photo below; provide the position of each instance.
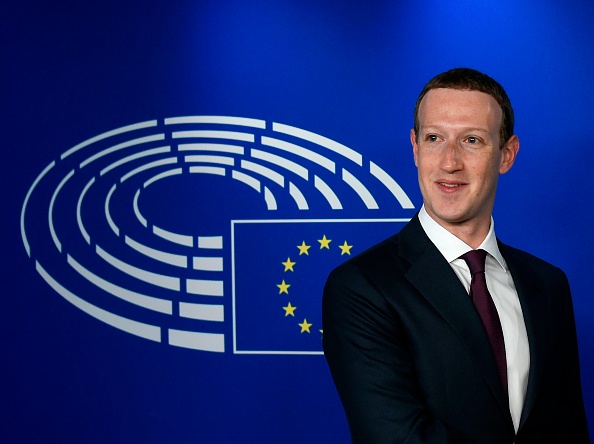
(458, 156)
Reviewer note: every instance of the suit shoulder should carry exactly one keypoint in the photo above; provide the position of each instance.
(391, 257)
(379, 256)
(515, 256)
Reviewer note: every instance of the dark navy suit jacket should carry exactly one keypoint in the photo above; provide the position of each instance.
(411, 360)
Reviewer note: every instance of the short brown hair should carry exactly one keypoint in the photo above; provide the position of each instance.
(472, 80)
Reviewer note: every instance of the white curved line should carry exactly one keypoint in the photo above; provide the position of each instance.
(161, 150)
(180, 239)
(391, 185)
(81, 227)
(176, 260)
(298, 196)
(50, 214)
(123, 129)
(142, 300)
(210, 242)
(146, 331)
(231, 135)
(26, 201)
(360, 189)
(219, 147)
(122, 145)
(194, 340)
(248, 180)
(137, 212)
(210, 159)
(225, 120)
(203, 312)
(282, 162)
(207, 263)
(327, 192)
(204, 287)
(299, 151)
(269, 199)
(147, 166)
(208, 170)
(159, 280)
(173, 172)
(319, 140)
(263, 171)
(110, 221)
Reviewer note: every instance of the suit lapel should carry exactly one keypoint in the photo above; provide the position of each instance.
(434, 278)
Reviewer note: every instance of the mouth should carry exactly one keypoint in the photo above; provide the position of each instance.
(450, 186)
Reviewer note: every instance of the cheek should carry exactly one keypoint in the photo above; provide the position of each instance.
(425, 162)
(487, 176)
(424, 170)
(486, 167)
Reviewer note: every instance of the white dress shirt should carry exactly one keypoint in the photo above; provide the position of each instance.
(503, 291)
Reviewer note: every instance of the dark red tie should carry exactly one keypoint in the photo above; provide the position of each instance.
(486, 309)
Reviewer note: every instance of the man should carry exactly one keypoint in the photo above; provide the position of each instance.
(410, 354)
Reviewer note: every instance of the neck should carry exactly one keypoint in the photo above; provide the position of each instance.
(471, 231)
(473, 234)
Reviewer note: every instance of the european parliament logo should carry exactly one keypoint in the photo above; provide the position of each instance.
(206, 232)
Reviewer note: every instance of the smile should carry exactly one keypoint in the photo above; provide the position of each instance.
(449, 185)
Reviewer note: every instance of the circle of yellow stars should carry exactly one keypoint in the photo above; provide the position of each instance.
(283, 287)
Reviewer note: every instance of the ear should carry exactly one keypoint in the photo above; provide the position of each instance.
(509, 153)
(415, 145)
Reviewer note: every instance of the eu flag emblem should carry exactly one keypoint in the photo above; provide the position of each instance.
(279, 271)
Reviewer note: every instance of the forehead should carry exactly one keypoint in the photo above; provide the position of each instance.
(444, 106)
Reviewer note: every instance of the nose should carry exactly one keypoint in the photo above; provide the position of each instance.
(450, 159)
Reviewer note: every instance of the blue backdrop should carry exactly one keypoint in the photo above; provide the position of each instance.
(179, 177)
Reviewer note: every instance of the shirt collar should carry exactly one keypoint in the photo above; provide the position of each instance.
(452, 247)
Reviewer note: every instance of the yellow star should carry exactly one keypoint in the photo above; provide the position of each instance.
(288, 265)
(283, 287)
(303, 248)
(305, 326)
(324, 243)
(346, 248)
(290, 310)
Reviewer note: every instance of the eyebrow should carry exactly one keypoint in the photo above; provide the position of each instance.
(470, 129)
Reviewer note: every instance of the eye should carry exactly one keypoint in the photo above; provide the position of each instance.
(472, 140)
(431, 138)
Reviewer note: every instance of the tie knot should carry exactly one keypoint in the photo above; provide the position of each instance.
(475, 259)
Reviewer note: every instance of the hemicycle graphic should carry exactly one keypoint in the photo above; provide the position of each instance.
(84, 225)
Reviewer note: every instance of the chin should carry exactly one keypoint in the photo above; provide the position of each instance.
(448, 217)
